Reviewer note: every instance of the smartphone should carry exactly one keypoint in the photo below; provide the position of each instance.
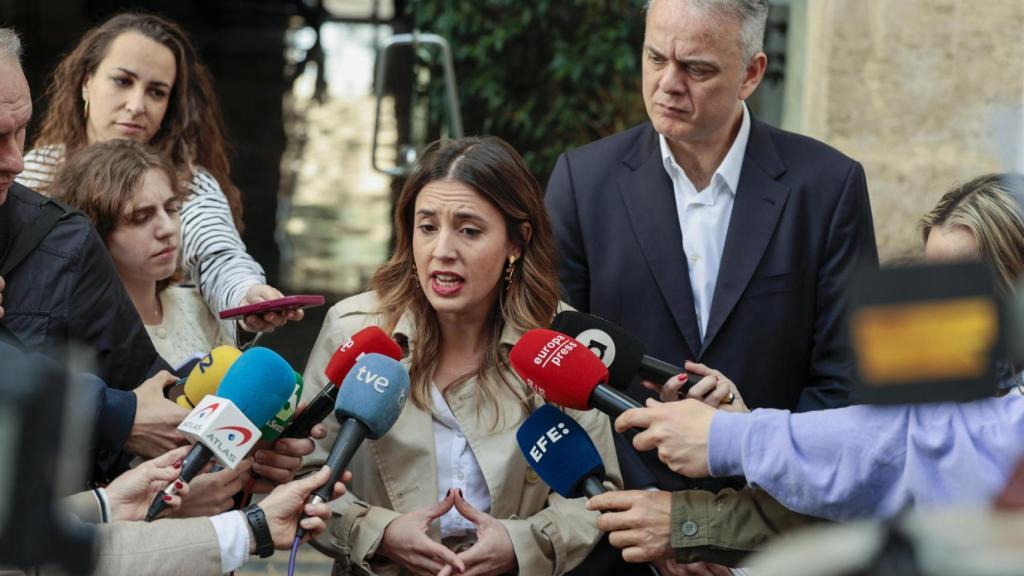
(276, 305)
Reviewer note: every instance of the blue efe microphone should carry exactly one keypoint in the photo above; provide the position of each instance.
(258, 384)
(369, 402)
(561, 453)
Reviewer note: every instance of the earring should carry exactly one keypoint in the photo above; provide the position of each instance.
(85, 98)
(415, 276)
(509, 272)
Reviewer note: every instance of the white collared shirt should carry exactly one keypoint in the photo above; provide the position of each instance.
(704, 217)
(457, 468)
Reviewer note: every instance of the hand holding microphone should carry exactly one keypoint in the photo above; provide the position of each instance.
(212, 491)
(619, 350)
(369, 403)
(154, 430)
(639, 522)
(226, 426)
(624, 356)
(130, 493)
(710, 387)
(287, 505)
(678, 430)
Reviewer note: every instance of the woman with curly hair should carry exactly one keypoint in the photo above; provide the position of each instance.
(137, 77)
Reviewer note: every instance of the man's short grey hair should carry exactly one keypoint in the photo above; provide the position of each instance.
(752, 14)
(10, 44)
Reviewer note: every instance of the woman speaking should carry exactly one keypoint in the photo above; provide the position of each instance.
(447, 490)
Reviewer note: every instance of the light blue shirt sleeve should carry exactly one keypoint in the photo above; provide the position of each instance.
(871, 461)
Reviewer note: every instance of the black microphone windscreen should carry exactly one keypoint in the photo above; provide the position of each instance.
(619, 350)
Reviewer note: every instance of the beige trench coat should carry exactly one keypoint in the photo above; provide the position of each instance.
(398, 473)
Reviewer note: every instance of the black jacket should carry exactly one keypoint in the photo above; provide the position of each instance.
(67, 291)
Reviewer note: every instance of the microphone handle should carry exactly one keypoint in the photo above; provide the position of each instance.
(611, 401)
(318, 409)
(592, 486)
(351, 435)
(658, 371)
(197, 457)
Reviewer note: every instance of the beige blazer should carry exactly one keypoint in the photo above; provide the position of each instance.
(398, 473)
(161, 548)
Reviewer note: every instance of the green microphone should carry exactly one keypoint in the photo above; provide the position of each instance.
(275, 426)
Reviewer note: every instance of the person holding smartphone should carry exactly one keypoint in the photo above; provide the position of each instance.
(137, 76)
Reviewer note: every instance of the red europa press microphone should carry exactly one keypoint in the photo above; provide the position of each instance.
(566, 373)
(369, 340)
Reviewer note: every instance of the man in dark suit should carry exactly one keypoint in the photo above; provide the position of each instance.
(710, 235)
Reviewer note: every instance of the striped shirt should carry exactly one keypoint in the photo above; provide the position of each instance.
(213, 254)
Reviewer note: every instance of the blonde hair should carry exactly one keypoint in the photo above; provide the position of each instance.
(986, 208)
(496, 171)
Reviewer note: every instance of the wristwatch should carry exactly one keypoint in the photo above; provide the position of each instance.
(260, 530)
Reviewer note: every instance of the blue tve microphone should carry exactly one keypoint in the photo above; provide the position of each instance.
(257, 385)
(369, 402)
(561, 453)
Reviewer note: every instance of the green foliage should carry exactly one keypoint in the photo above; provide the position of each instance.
(545, 75)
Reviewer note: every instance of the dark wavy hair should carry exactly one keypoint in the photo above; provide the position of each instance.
(192, 132)
(496, 171)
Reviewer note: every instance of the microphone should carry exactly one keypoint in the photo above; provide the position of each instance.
(279, 422)
(368, 340)
(226, 426)
(563, 371)
(205, 377)
(619, 350)
(561, 453)
(370, 400)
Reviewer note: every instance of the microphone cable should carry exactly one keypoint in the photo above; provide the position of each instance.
(295, 552)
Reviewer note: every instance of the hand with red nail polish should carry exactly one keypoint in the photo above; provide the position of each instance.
(213, 492)
(131, 493)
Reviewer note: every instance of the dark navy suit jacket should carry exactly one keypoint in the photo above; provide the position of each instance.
(801, 224)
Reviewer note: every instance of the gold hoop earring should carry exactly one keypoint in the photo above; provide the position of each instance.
(85, 109)
(509, 273)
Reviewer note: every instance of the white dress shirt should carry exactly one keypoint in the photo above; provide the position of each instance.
(457, 468)
(704, 217)
(233, 539)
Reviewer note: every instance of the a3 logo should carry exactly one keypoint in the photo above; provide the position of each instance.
(600, 343)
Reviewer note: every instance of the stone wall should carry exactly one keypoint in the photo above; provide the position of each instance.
(924, 93)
